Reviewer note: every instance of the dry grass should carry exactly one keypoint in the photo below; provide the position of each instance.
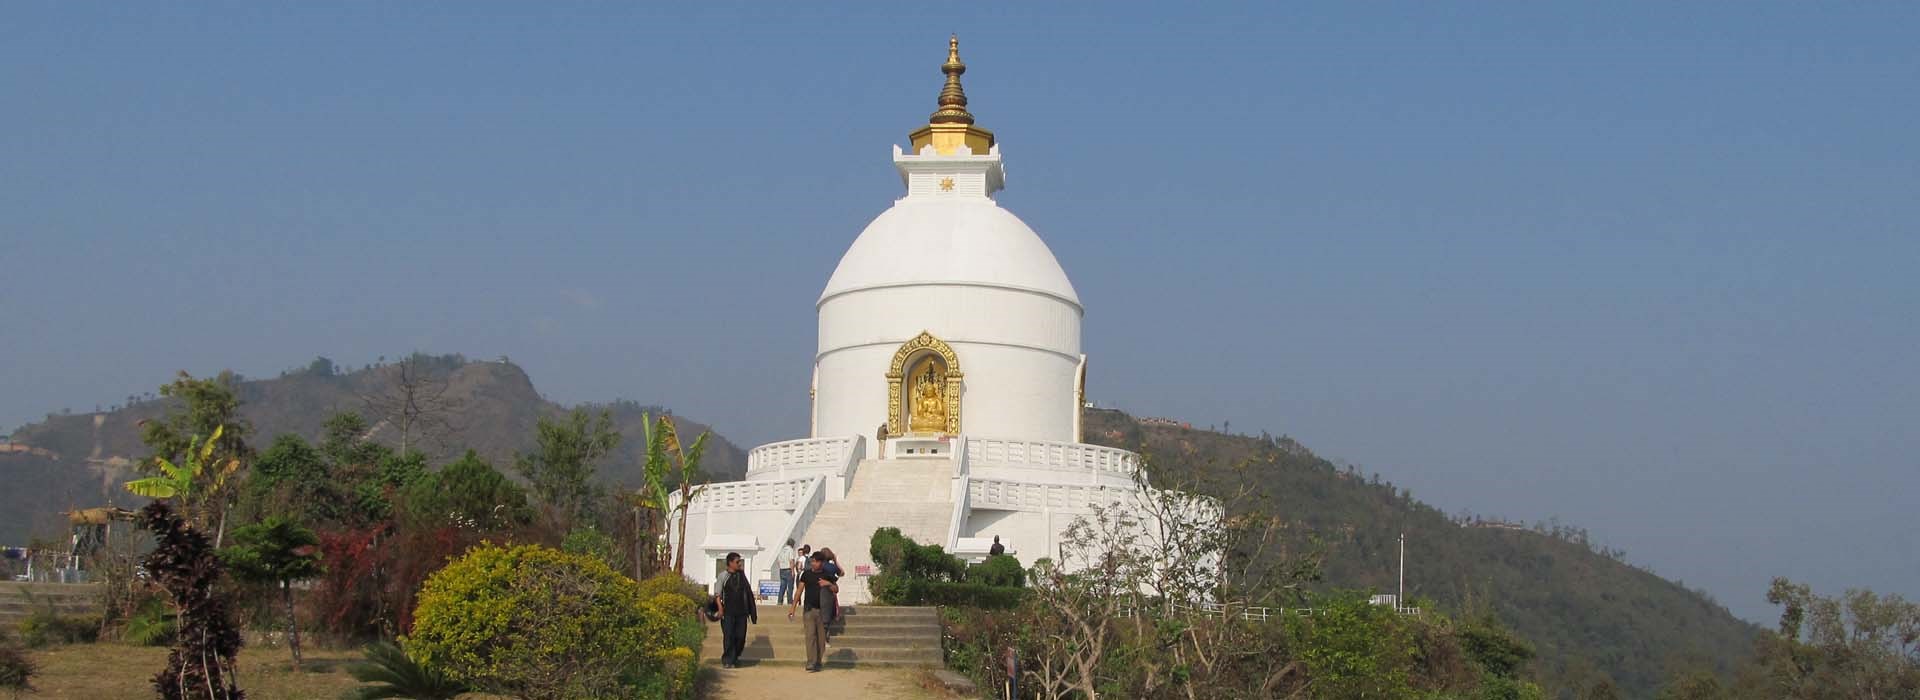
(93, 671)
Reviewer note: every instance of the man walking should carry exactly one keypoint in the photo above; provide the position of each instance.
(813, 584)
(737, 606)
(783, 562)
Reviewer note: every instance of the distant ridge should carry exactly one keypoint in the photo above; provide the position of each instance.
(80, 460)
(1588, 613)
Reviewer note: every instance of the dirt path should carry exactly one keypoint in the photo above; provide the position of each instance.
(757, 682)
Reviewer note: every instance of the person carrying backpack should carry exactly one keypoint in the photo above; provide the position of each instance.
(737, 606)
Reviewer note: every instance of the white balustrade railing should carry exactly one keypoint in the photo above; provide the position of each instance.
(1063, 456)
(811, 497)
(998, 494)
(961, 466)
(807, 453)
(1251, 612)
(962, 490)
(752, 495)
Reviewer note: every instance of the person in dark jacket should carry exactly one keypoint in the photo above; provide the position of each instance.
(737, 606)
(833, 597)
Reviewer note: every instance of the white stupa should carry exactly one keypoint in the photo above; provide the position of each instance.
(947, 389)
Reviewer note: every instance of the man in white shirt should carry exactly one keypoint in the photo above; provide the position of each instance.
(783, 563)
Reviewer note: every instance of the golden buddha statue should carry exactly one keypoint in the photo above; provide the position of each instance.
(928, 412)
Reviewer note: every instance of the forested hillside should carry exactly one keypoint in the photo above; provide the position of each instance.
(1591, 615)
(80, 460)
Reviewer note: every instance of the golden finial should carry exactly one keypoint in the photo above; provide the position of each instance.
(951, 126)
(953, 99)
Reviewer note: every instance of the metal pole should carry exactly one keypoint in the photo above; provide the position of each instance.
(1400, 599)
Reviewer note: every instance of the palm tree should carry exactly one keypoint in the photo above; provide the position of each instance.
(396, 675)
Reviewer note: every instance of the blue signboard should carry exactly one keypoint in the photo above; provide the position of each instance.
(769, 589)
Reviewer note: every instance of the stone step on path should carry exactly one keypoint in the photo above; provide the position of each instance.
(867, 635)
(912, 495)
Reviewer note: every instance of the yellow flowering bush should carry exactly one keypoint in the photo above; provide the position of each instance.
(671, 582)
(541, 624)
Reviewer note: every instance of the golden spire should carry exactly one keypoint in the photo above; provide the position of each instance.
(951, 126)
(953, 99)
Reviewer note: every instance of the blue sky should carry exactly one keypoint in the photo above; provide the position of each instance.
(1647, 268)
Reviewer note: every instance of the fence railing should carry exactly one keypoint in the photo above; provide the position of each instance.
(809, 504)
(1062, 456)
(843, 472)
(806, 453)
(1000, 494)
(962, 502)
(1252, 612)
(753, 495)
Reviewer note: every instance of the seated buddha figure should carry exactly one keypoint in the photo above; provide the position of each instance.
(928, 412)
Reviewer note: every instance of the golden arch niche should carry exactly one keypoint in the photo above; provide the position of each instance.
(923, 388)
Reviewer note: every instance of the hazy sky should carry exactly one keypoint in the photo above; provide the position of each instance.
(1651, 269)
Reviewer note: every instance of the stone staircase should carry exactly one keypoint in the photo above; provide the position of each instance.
(914, 495)
(867, 635)
(18, 601)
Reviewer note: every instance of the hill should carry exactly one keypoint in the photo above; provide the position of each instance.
(1587, 612)
(80, 460)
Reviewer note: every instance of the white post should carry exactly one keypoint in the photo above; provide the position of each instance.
(1400, 599)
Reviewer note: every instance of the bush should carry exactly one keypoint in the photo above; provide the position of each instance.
(533, 622)
(900, 555)
(390, 673)
(897, 590)
(46, 628)
(915, 574)
(16, 670)
(152, 624)
(671, 582)
(1002, 570)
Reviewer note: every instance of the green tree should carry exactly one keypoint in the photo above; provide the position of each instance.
(208, 405)
(1353, 649)
(561, 467)
(1858, 645)
(280, 552)
(1495, 648)
(467, 493)
(345, 441)
(1694, 685)
(290, 478)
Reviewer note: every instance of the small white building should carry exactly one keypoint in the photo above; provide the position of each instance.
(947, 389)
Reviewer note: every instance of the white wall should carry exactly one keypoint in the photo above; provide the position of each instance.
(768, 526)
(1018, 352)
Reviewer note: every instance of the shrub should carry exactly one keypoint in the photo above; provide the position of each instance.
(898, 590)
(672, 582)
(151, 624)
(915, 574)
(390, 673)
(534, 622)
(592, 542)
(16, 670)
(1002, 570)
(46, 628)
(899, 554)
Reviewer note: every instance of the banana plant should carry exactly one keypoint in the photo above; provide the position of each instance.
(178, 481)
